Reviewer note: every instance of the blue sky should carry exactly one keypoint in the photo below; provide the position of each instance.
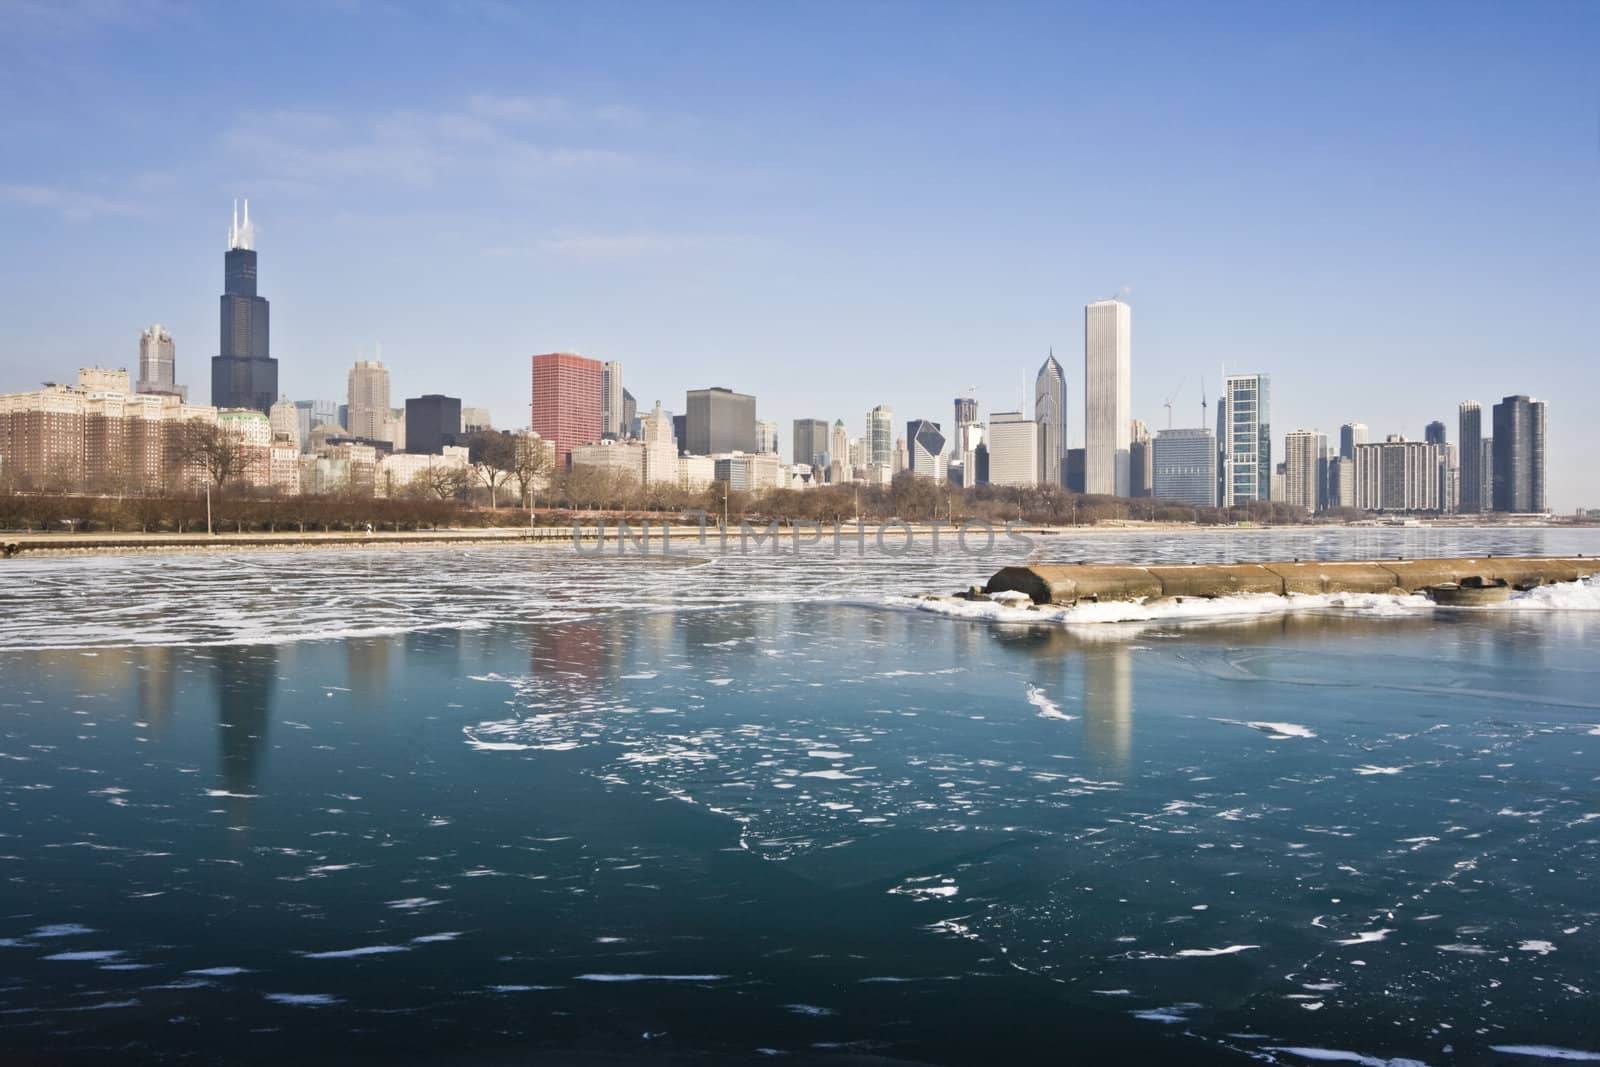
(1388, 207)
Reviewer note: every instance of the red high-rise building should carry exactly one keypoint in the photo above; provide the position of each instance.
(566, 401)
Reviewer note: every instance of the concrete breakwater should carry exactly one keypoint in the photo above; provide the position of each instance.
(1088, 582)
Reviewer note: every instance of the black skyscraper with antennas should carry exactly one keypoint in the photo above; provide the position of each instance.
(243, 373)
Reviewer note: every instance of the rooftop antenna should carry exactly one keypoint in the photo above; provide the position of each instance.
(1202, 400)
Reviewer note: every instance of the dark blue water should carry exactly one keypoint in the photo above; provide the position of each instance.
(752, 822)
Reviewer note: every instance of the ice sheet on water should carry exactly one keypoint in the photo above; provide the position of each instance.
(1278, 731)
(1333, 1055)
(1194, 610)
(651, 977)
(275, 597)
(1048, 709)
(1548, 1052)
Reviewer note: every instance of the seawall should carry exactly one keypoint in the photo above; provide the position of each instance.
(1071, 583)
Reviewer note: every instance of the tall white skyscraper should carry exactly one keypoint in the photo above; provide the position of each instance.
(1107, 400)
(611, 405)
(368, 386)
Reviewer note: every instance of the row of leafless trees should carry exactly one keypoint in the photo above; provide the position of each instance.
(586, 496)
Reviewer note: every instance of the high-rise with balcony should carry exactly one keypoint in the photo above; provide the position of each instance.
(1519, 455)
(1306, 466)
(565, 407)
(1050, 412)
(1107, 387)
(1244, 420)
(1469, 435)
(243, 373)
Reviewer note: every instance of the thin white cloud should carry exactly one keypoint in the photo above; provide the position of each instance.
(71, 204)
(409, 147)
(610, 247)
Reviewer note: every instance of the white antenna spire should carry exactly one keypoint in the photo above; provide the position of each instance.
(241, 235)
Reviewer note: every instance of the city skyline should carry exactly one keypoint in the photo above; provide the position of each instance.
(652, 194)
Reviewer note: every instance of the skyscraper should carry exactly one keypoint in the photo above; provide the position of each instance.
(1184, 467)
(1050, 412)
(1519, 455)
(1350, 435)
(1433, 433)
(1141, 475)
(767, 435)
(611, 414)
(243, 373)
(284, 418)
(432, 422)
(1304, 474)
(925, 450)
(1013, 449)
(1107, 374)
(1245, 417)
(1469, 435)
(720, 420)
(565, 408)
(839, 444)
(158, 363)
(1399, 475)
(968, 436)
(810, 442)
(368, 385)
(879, 436)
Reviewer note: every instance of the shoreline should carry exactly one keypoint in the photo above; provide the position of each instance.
(19, 545)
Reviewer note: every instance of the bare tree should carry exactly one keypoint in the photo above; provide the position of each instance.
(494, 458)
(216, 450)
(442, 482)
(532, 466)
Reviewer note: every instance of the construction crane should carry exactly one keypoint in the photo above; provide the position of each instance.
(1168, 403)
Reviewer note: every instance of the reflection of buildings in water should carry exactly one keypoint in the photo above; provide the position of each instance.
(652, 635)
(1108, 702)
(367, 667)
(156, 684)
(578, 654)
(244, 679)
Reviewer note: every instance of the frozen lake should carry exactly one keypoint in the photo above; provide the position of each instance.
(491, 804)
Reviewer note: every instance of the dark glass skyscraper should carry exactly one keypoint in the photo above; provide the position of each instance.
(719, 420)
(1470, 436)
(243, 373)
(1519, 455)
(432, 422)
